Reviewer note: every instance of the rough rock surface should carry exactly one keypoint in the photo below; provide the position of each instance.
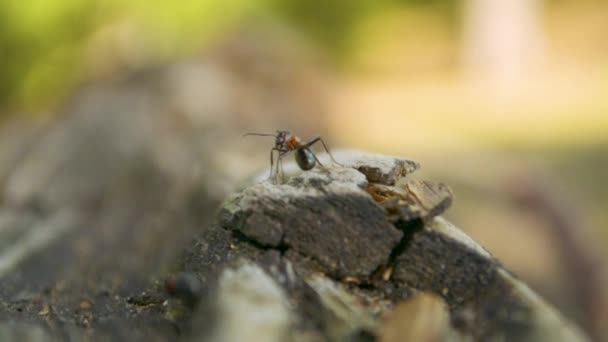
(346, 249)
(327, 217)
(378, 169)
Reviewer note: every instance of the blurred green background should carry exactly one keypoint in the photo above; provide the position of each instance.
(484, 93)
(49, 47)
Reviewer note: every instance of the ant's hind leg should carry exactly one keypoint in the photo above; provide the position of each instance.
(329, 153)
(319, 162)
(317, 139)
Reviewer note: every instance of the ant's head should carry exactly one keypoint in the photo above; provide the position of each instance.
(281, 138)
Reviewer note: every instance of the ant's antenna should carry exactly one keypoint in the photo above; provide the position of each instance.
(260, 134)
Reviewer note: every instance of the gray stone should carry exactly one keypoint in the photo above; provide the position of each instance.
(250, 306)
(322, 214)
(486, 301)
(378, 168)
(24, 332)
(412, 199)
(345, 315)
(342, 223)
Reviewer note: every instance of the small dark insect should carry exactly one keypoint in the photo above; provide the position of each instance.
(185, 286)
(286, 143)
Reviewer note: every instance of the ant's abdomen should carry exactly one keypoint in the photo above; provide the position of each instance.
(305, 159)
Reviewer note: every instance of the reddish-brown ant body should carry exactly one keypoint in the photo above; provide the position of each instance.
(286, 143)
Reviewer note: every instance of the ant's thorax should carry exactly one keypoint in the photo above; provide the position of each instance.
(293, 142)
(287, 141)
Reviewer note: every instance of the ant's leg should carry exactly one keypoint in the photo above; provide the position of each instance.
(318, 161)
(312, 141)
(327, 150)
(278, 176)
(317, 139)
(271, 161)
(283, 153)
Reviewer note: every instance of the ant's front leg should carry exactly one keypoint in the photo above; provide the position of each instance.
(280, 171)
(272, 160)
(317, 139)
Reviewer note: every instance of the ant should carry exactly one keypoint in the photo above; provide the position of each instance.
(285, 143)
